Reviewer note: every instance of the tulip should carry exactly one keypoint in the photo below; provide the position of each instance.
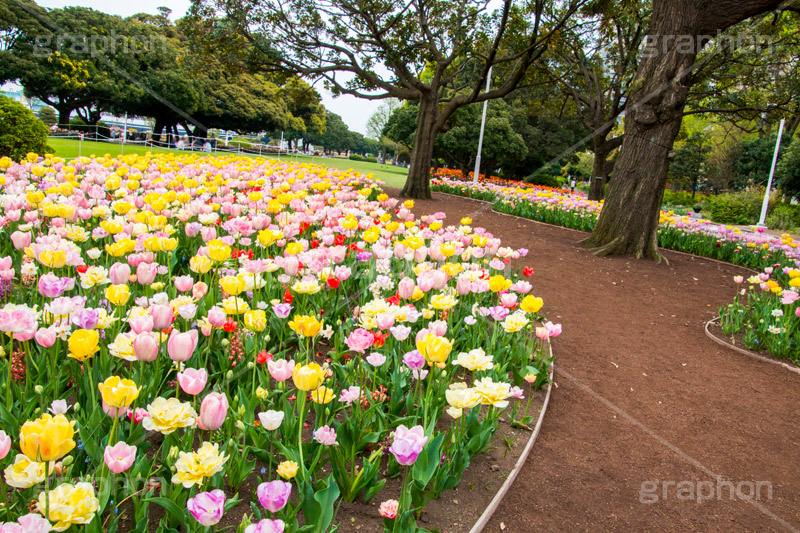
(45, 337)
(141, 324)
(274, 495)
(388, 509)
(118, 392)
(434, 349)
(193, 381)
(120, 273)
(34, 523)
(216, 317)
(58, 407)
(405, 288)
(266, 526)
(199, 290)
(114, 412)
(408, 444)
(146, 273)
(280, 369)
(162, 316)
(360, 340)
(20, 240)
(308, 377)
(385, 320)
(5, 444)
(325, 435)
(207, 507)
(184, 283)
(48, 438)
(213, 411)
(145, 347)
(530, 304)
(83, 344)
(180, 346)
(119, 457)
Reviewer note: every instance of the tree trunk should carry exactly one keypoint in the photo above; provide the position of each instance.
(597, 187)
(63, 115)
(419, 171)
(628, 223)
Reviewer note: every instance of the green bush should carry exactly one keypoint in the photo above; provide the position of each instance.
(20, 131)
(784, 216)
(543, 179)
(371, 159)
(356, 157)
(736, 208)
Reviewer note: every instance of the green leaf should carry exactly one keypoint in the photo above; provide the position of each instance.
(176, 513)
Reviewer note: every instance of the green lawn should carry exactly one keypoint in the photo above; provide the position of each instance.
(68, 149)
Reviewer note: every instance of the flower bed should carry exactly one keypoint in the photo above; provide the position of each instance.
(193, 341)
(764, 313)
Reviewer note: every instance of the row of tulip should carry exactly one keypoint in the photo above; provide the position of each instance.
(759, 312)
(192, 341)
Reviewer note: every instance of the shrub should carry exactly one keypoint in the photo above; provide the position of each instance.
(371, 159)
(20, 131)
(356, 157)
(542, 179)
(736, 208)
(784, 216)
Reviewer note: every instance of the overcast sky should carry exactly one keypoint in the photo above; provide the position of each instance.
(354, 111)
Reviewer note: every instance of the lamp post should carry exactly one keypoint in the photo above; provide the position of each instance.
(477, 171)
(765, 203)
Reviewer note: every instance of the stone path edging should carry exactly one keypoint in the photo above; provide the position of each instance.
(748, 353)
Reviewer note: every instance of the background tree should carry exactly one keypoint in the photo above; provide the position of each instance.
(436, 52)
(47, 115)
(628, 224)
(593, 61)
(789, 171)
(688, 168)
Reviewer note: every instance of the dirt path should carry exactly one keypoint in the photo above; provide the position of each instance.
(644, 396)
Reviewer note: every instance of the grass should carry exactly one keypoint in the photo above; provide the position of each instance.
(69, 149)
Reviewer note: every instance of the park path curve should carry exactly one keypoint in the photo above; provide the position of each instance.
(644, 396)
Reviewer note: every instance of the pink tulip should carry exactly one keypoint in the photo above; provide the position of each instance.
(146, 273)
(145, 347)
(5, 444)
(119, 457)
(180, 346)
(438, 328)
(34, 523)
(439, 279)
(405, 288)
(385, 320)
(199, 290)
(114, 412)
(274, 495)
(45, 337)
(407, 444)
(193, 381)
(208, 233)
(162, 316)
(280, 369)
(508, 300)
(141, 324)
(425, 281)
(207, 507)
(360, 340)
(266, 526)
(20, 240)
(184, 283)
(120, 273)
(217, 317)
(213, 411)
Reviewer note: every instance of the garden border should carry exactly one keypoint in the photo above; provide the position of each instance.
(748, 353)
(487, 514)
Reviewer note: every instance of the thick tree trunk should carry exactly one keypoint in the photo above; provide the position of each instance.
(419, 172)
(628, 224)
(64, 114)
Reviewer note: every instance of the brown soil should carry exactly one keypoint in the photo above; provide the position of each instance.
(644, 395)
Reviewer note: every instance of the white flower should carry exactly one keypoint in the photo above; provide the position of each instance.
(28, 269)
(327, 332)
(94, 253)
(777, 313)
(271, 420)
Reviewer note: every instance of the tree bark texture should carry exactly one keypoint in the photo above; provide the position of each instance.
(418, 181)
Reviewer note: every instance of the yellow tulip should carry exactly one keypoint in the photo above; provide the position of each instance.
(47, 439)
(287, 469)
(308, 377)
(218, 251)
(322, 395)
(199, 264)
(118, 294)
(83, 343)
(255, 320)
(531, 304)
(118, 392)
(305, 325)
(70, 504)
(232, 285)
(434, 349)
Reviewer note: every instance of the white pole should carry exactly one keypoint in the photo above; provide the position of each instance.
(80, 144)
(280, 146)
(765, 204)
(477, 171)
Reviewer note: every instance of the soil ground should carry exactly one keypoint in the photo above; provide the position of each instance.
(644, 399)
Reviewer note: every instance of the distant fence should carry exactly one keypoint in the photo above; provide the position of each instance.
(187, 143)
